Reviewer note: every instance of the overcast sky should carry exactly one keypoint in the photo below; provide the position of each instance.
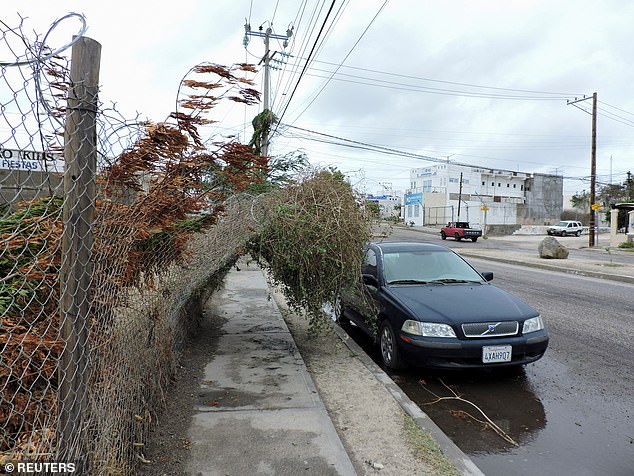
(474, 82)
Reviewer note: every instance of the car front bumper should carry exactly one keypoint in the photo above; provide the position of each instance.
(463, 353)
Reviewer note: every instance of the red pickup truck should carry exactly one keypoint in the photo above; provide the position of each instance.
(460, 230)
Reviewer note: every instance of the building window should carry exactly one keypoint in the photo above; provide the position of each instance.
(483, 184)
(416, 211)
(508, 185)
(499, 184)
(514, 185)
(492, 184)
(522, 187)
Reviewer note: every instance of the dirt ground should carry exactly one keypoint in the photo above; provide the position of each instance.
(377, 434)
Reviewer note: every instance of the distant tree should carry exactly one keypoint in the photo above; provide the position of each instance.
(615, 193)
(373, 209)
(581, 200)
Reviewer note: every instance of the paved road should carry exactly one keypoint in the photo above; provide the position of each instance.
(584, 383)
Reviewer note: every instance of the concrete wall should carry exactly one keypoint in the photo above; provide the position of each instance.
(21, 185)
(544, 200)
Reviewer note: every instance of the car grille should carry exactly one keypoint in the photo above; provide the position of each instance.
(490, 329)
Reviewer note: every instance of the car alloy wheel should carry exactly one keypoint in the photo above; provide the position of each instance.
(389, 348)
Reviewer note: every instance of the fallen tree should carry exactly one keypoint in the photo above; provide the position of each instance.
(312, 241)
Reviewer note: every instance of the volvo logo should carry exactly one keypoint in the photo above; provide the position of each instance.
(491, 328)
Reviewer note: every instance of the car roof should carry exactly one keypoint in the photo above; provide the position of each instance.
(395, 247)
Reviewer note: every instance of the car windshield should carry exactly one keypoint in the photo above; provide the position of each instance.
(562, 223)
(437, 267)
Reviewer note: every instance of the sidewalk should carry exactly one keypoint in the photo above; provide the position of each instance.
(258, 410)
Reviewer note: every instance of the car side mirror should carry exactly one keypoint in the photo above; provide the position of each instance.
(370, 280)
(487, 275)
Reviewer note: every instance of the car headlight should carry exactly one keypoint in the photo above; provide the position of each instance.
(533, 324)
(427, 329)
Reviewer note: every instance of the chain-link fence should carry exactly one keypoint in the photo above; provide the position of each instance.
(112, 232)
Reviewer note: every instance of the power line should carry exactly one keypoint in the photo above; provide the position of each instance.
(310, 28)
(305, 66)
(617, 108)
(333, 23)
(562, 95)
(445, 92)
(354, 144)
(342, 61)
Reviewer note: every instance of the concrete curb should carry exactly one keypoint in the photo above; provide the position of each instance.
(462, 462)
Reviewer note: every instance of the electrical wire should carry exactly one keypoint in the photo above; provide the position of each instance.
(349, 143)
(309, 28)
(342, 62)
(445, 92)
(305, 66)
(453, 83)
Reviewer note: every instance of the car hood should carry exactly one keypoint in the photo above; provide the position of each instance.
(457, 303)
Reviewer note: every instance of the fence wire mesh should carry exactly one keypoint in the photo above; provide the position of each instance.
(112, 232)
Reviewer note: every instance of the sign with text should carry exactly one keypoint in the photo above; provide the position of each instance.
(29, 160)
(414, 198)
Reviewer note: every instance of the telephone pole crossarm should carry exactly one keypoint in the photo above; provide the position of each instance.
(266, 59)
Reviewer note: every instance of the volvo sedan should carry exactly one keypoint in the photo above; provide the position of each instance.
(427, 306)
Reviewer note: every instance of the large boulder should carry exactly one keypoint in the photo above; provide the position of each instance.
(550, 248)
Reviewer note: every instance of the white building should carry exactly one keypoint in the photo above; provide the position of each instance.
(389, 205)
(483, 196)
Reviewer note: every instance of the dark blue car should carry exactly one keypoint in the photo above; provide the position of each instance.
(435, 310)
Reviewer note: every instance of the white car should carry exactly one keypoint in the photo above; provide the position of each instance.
(566, 227)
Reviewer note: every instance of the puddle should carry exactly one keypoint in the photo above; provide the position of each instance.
(563, 422)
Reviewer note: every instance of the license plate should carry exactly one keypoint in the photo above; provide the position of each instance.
(496, 353)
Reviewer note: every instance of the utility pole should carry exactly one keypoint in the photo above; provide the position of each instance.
(266, 59)
(460, 197)
(593, 168)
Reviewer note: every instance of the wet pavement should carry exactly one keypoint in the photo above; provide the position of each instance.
(258, 411)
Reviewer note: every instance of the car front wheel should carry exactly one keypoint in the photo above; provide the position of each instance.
(442, 235)
(390, 353)
(578, 233)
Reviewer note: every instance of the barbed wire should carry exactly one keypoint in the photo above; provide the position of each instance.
(37, 56)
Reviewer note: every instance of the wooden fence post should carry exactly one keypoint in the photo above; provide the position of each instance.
(80, 155)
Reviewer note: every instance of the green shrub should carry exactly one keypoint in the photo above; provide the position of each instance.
(312, 242)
